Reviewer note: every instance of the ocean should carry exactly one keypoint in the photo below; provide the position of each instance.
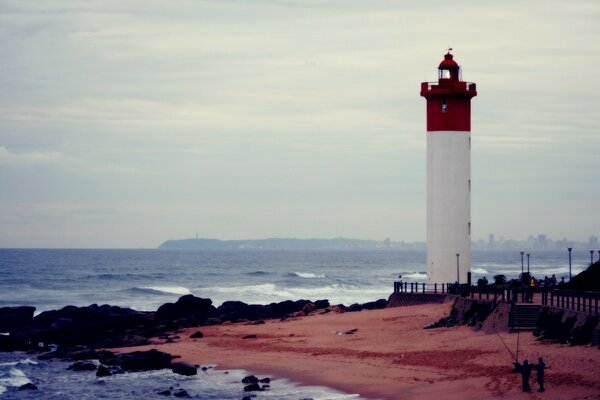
(145, 279)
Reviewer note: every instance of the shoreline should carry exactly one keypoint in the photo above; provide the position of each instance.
(389, 356)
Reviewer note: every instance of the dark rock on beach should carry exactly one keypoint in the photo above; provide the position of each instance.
(144, 360)
(187, 311)
(197, 335)
(183, 368)
(28, 386)
(181, 393)
(83, 366)
(253, 387)
(250, 379)
(12, 318)
(103, 371)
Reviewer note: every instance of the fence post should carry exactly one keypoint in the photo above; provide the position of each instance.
(551, 298)
(435, 288)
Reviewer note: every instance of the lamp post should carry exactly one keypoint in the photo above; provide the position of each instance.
(591, 257)
(528, 263)
(522, 264)
(570, 249)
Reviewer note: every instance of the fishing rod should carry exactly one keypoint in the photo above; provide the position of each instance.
(510, 352)
(518, 335)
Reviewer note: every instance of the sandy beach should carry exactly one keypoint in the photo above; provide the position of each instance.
(390, 356)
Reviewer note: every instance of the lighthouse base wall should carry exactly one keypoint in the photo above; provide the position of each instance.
(448, 206)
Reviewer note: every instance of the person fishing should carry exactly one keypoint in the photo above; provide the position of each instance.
(539, 369)
(525, 370)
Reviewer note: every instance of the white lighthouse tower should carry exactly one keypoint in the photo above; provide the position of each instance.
(448, 174)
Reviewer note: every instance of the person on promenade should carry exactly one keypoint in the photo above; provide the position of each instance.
(525, 370)
(539, 369)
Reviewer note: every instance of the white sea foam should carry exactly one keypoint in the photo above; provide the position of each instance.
(309, 275)
(479, 271)
(269, 292)
(180, 290)
(415, 275)
(12, 377)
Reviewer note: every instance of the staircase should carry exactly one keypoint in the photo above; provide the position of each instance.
(523, 317)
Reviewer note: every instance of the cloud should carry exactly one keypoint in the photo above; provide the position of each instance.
(27, 160)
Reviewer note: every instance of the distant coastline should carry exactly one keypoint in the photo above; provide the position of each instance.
(288, 244)
(540, 243)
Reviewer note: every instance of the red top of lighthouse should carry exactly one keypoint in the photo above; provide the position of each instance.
(448, 99)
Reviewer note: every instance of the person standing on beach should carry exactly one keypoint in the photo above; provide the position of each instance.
(539, 368)
(525, 371)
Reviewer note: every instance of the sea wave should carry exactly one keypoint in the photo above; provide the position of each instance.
(480, 271)
(161, 290)
(307, 275)
(415, 275)
(258, 273)
(12, 377)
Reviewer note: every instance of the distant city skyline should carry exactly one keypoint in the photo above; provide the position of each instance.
(123, 124)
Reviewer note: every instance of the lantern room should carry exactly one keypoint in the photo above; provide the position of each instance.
(448, 69)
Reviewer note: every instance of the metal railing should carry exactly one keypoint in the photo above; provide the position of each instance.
(548, 296)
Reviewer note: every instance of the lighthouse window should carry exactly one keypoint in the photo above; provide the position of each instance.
(444, 106)
(445, 73)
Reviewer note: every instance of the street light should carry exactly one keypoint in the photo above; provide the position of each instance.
(569, 248)
(591, 257)
(528, 263)
(522, 264)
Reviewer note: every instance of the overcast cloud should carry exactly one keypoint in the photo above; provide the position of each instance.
(123, 124)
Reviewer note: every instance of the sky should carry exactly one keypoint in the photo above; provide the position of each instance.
(127, 123)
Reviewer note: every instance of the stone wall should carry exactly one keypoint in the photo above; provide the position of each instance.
(412, 299)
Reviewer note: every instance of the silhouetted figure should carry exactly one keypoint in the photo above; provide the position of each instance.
(525, 370)
(539, 368)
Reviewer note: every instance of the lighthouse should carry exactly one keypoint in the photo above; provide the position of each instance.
(448, 174)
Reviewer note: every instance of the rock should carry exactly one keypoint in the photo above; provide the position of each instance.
(165, 393)
(181, 393)
(308, 308)
(250, 379)
(183, 368)
(247, 397)
(351, 331)
(83, 366)
(265, 380)
(250, 337)
(265, 387)
(11, 343)
(375, 305)
(144, 360)
(320, 304)
(108, 358)
(197, 335)
(93, 326)
(213, 321)
(85, 354)
(28, 386)
(12, 318)
(188, 310)
(103, 371)
(253, 387)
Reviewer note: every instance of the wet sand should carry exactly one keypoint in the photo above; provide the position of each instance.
(390, 356)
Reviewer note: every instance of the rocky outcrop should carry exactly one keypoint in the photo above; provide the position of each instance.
(187, 311)
(14, 317)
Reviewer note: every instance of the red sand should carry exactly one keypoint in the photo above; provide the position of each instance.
(390, 356)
